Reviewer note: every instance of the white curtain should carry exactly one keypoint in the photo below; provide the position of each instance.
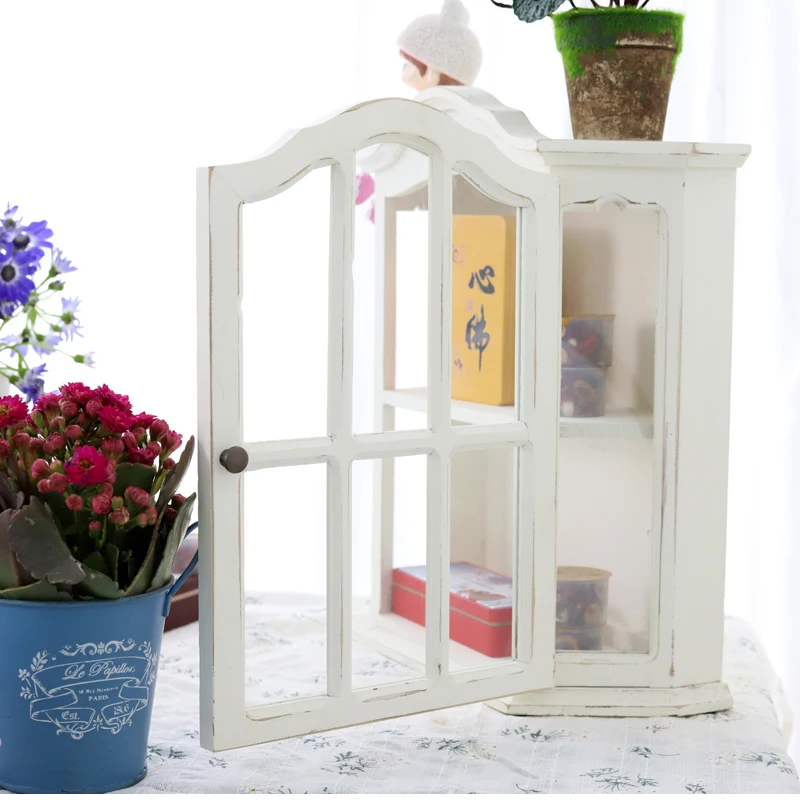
(111, 106)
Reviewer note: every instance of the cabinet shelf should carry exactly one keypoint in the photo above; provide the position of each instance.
(616, 424)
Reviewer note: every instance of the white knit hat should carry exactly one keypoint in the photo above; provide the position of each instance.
(444, 42)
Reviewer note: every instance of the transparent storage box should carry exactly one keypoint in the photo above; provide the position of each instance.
(585, 639)
(583, 391)
(581, 597)
(587, 341)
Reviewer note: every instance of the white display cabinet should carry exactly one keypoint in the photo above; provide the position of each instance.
(630, 504)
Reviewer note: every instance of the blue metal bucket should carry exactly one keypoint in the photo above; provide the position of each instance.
(77, 681)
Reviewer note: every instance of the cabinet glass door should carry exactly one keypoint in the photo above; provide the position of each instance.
(276, 499)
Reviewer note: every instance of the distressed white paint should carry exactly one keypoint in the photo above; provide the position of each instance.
(225, 720)
(690, 189)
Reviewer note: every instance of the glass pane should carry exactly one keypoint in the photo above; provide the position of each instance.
(482, 545)
(285, 521)
(390, 366)
(285, 243)
(608, 464)
(484, 305)
(388, 593)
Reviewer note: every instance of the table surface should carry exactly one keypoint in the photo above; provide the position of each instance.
(472, 749)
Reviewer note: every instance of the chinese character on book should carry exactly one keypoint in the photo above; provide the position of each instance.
(483, 277)
(477, 335)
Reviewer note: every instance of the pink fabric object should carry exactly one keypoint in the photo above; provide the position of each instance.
(365, 187)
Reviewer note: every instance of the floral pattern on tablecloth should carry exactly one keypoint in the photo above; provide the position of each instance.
(471, 749)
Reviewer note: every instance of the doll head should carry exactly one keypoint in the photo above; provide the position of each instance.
(440, 49)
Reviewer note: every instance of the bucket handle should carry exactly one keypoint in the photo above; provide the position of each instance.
(184, 575)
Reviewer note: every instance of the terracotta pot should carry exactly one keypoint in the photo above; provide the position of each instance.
(619, 65)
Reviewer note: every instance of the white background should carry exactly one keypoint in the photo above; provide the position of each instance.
(110, 107)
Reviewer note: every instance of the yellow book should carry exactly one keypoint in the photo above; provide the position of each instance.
(484, 308)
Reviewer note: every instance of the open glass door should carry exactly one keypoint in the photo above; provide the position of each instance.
(249, 467)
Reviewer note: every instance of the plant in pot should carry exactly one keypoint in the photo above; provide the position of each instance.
(619, 61)
(90, 525)
(28, 318)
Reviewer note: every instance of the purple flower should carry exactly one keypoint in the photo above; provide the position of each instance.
(17, 342)
(31, 384)
(86, 358)
(9, 222)
(62, 264)
(15, 285)
(47, 343)
(28, 242)
(71, 326)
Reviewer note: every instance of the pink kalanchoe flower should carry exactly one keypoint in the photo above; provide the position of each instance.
(54, 443)
(112, 447)
(48, 403)
(4, 447)
(40, 469)
(82, 419)
(153, 448)
(120, 516)
(171, 441)
(106, 488)
(87, 466)
(101, 504)
(79, 392)
(74, 502)
(159, 428)
(152, 515)
(144, 420)
(116, 502)
(141, 455)
(93, 407)
(37, 445)
(95, 526)
(56, 424)
(21, 441)
(129, 440)
(138, 497)
(114, 419)
(73, 432)
(110, 398)
(169, 463)
(170, 514)
(141, 520)
(178, 500)
(69, 409)
(58, 482)
(43, 486)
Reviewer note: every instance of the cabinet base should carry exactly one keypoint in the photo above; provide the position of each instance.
(682, 701)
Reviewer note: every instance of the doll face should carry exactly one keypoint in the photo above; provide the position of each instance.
(418, 82)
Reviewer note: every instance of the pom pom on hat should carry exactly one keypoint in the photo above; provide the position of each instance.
(444, 42)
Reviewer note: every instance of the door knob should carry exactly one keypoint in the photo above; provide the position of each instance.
(234, 459)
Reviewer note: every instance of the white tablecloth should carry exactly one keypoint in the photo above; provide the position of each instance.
(472, 749)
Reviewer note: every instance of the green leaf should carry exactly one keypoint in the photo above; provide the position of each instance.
(96, 562)
(10, 497)
(175, 476)
(98, 585)
(139, 475)
(111, 555)
(174, 539)
(144, 577)
(39, 547)
(533, 10)
(41, 590)
(10, 570)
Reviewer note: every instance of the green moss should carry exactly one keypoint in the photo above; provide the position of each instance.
(587, 30)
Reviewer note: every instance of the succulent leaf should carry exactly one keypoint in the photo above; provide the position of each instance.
(41, 590)
(10, 570)
(134, 475)
(174, 538)
(39, 547)
(175, 476)
(98, 585)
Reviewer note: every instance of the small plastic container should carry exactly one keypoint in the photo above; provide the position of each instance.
(581, 598)
(585, 639)
(583, 391)
(587, 341)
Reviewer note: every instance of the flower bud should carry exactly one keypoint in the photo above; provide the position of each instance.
(74, 502)
(21, 441)
(153, 449)
(43, 486)
(38, 419)
(57, 424)
(56, 466)
(172, 441)
(141, 520)
(73, 432)
(82, 419)
(58, 482)
(159, 428)
(170, 514)
(40, 469)
(169, 463)
(93, 406)
(116, 502)
(4, 448)
(111, 447)
(54, 443)
(140, 433)
(120, 516)
(178, 500)
(138, 497)
(101, 504)
(152, 515)
(69, 408)
(95, 526)
(129, 440)
(37, 445)
(105, 488)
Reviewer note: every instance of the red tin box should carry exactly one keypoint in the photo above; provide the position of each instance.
(480, 605)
